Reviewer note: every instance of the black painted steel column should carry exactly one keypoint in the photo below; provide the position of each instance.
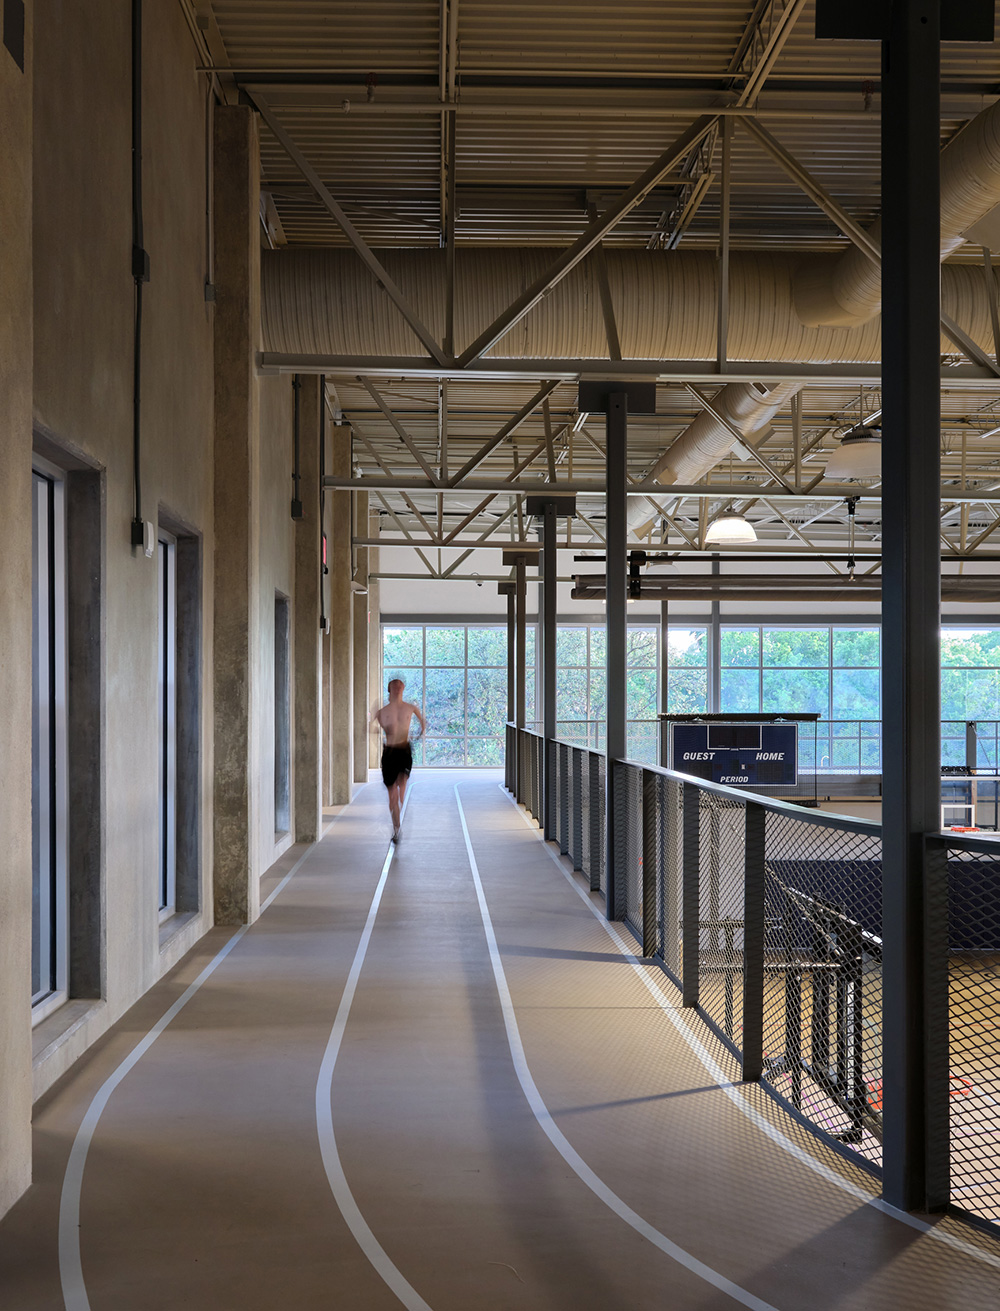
(511, 654)
(549, 664)
(616, 528)
(663, 735)
(911, 751)
(520, 672)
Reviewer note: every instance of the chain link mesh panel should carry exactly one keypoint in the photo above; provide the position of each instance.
(823, 976)
(628, 844)
(721, 911)
(576, 803)
(671, 869)
(562, 754)
(973, 878)
(598, 821)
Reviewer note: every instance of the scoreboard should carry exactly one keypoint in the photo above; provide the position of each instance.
(738, 754)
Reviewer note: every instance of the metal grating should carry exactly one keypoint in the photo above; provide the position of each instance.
(823, 976)
(973, 914)
(722, 821)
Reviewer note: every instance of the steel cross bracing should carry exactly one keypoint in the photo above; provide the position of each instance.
(463, 138)
(503, 443)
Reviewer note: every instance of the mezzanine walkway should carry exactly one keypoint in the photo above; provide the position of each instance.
(579, 1150)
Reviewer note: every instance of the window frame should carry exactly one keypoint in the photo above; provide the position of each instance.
(48, 483)
(167, 720)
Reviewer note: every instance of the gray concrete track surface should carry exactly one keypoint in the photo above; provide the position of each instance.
(205, 1188)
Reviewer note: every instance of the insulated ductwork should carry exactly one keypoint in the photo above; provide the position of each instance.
(749, 407)
(781, 308)
(848, 291)
(326, 303)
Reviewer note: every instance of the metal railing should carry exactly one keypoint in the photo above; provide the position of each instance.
(578, 796)
(768, 917)
(964, 919)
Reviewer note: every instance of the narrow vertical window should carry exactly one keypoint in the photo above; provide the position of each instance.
(282, 718)
(49, 936)
(168, 723)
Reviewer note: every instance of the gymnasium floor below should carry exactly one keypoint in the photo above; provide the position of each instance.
(431, 1076)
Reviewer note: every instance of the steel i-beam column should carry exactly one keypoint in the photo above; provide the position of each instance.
(511, 653)
(520, 673)
(663, 734)
(615, 617)
(549, 663)
(911, 569)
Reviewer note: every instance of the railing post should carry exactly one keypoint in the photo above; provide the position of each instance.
(691, 895)
(650, 862)
(937, 935)
(752, 1045)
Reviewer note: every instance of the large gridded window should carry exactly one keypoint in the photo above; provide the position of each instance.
(581, 687)
(687, 661)
(830, 671)
(970, 691)
(49, 887)
(457, 674)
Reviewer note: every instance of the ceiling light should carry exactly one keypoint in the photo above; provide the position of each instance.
(581, 419)
(731, 529)
(859, 455)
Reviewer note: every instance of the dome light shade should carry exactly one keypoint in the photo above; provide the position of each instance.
(730, 530)
(859, 455)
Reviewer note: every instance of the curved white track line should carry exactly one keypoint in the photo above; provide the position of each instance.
(732, 1090)
(339, 1186)
(555, 1135)
(74, 1289)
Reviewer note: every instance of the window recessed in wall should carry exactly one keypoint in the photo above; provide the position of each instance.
(167, 701)
(49, 811)
(282, 717)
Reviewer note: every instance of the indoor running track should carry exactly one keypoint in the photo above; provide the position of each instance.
(429, 1076)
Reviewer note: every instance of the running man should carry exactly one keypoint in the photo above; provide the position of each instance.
(397, 755)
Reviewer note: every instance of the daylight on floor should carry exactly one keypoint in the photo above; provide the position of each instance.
(500, 655)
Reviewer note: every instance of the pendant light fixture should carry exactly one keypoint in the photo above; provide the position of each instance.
(859, 455)
(730, 529)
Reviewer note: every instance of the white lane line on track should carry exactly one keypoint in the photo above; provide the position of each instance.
(732, 1090)
(339, 1186)
(555, 1135)
(74, 1289)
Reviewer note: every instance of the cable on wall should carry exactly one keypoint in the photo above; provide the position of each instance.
(296, 477)
(140, 275)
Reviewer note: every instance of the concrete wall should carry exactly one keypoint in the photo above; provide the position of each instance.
(83, 392)
(15, 620)
(276, 575)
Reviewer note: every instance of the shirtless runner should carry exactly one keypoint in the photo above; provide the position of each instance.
(397, 755)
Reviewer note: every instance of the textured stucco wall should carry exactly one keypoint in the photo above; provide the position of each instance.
(276, 574)
(15, 624)
(83, 305)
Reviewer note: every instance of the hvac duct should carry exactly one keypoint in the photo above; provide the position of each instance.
(325, 302)
(848, 291)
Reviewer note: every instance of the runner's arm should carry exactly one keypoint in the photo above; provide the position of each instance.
(419, 715)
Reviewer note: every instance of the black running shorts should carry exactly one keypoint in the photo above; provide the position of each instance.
(396, 761)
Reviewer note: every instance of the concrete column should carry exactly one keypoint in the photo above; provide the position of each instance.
(308, 818)
(341, 625)
(326, 672)
(15, 622)
(237, 494)
(375, 689)
(362, 612)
